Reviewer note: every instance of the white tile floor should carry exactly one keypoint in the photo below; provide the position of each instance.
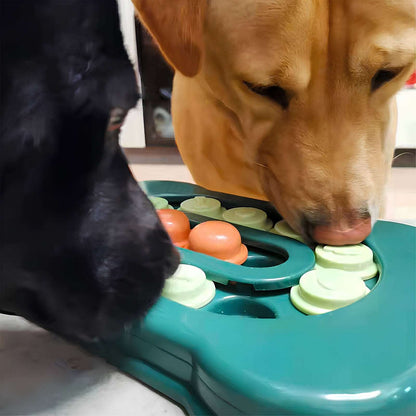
(401, 196)
(42, 375)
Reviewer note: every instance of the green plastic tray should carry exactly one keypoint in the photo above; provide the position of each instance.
(251, 352)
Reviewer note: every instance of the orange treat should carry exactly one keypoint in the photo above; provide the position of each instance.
(218, 239)
(177, 225)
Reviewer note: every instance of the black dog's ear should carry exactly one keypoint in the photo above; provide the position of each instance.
(177, 27)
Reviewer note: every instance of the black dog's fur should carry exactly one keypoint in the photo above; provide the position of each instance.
(82, 251)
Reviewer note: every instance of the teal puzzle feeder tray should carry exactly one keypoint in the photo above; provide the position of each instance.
(251, 352)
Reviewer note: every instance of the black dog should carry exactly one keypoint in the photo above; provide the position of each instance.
(82, 251)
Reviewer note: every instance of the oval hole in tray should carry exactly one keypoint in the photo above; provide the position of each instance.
(274, 262)
(263, 258)
(241, 307)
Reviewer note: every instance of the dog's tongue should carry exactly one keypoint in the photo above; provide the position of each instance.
(337, 236)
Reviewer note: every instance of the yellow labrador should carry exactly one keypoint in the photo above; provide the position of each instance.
(289, 100)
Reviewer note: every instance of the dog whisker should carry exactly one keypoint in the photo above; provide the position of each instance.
(261, 165)
(401, 154)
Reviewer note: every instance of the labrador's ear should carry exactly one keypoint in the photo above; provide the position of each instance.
(177, 27)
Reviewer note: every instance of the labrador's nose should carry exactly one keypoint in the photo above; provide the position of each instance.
(353, 231)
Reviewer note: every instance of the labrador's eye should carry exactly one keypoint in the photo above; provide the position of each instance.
(382, 77)
(274, 92)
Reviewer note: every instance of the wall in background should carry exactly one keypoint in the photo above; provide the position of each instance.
(406, 123)
(132, 132)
